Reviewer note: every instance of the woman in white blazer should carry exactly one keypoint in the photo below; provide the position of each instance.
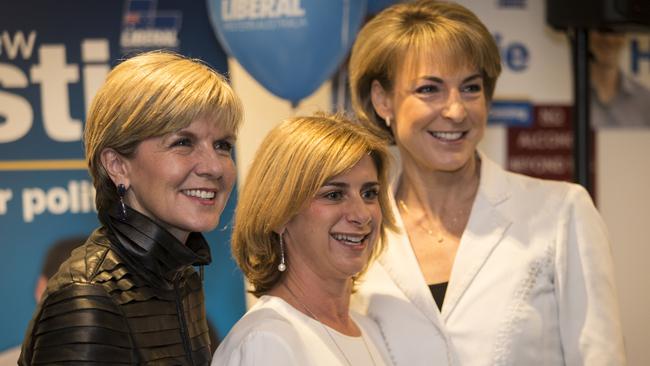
(487, 267)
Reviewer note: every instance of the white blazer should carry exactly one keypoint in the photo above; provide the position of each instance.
(532, 284)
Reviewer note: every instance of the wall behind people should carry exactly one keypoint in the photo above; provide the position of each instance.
(53, 57)
(624, 175)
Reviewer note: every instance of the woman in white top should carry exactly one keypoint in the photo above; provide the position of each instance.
(489, 267)
(307, 224)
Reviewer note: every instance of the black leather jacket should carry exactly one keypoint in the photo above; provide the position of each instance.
(129, 295)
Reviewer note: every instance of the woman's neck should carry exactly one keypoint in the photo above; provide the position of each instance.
(325, 301)
(439, 192)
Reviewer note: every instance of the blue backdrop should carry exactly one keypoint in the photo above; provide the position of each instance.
(53, 57)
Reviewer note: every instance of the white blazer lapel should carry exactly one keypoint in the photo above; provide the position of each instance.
(402, 266)
(485, 229)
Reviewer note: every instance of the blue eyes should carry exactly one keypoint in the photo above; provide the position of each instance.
(224, 146)
(426, 89)
(370, 194)
(221, 145)
(431, 89)
(333, 196)
(472, 88)
(182, 142)
(367, 195)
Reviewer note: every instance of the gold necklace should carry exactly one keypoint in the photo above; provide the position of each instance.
(427, 230)
(329, 334)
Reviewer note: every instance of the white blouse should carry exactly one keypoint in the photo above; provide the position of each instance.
(274, 333)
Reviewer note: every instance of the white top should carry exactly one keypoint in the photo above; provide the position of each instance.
(532, 284)
(274, 333)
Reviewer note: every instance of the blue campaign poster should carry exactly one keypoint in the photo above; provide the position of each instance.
(53, 57)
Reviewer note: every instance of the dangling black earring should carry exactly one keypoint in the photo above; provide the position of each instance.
(121, 191)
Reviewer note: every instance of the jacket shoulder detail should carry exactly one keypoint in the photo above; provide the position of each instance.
(81, 323)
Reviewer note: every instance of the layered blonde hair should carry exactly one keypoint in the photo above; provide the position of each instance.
(150, 95)
(405, 33)
(293, 162)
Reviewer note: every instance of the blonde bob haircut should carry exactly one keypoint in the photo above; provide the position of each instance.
(150, 95)
(407, 33)
(294, 161)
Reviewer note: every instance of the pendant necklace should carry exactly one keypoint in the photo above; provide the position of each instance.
(329, 334)
(427, 230)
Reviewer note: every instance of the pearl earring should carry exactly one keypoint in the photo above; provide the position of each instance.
(282, 266)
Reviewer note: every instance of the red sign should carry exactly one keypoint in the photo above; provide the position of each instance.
(545, 149)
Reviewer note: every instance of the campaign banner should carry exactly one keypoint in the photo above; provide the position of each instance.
(54, 55)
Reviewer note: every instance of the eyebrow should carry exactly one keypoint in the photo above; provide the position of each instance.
(186, 133)
(229, 136)
(441, 81)
(345, 185)
(183, 132)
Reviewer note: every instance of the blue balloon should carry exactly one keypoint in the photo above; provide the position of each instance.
(289, 46)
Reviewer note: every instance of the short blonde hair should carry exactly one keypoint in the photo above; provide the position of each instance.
(294, 161)
(408, 30)
(150, 95)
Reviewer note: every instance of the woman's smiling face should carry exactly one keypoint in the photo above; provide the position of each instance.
(334, 234)
(439, 112)
(182, 180)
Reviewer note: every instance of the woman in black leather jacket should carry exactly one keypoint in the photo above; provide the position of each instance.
(158, 140)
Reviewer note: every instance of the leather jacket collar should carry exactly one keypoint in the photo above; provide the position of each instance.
(149, 250)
